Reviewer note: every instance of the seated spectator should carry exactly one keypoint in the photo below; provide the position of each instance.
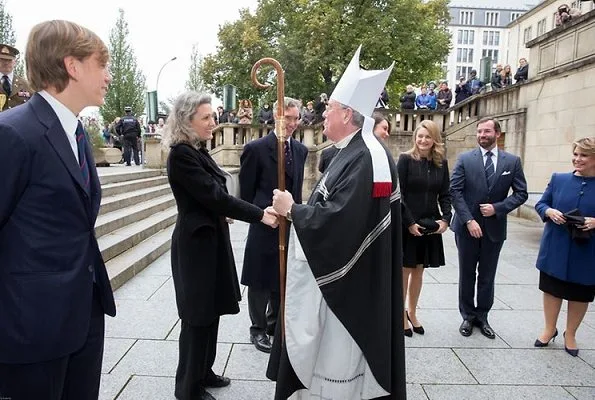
(432, 89)
(245, 112)
(265, 115)
(522, 73)
(565, 14)
(308, 115)
(461, 91)
(408, 99)
(444, 97)
(424, 101)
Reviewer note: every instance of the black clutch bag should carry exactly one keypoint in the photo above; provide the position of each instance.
(574, 219)
(429, 225)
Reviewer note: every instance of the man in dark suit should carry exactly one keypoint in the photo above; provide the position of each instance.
(480, 183)
(258, 179)
(14, 89)
(54, 288)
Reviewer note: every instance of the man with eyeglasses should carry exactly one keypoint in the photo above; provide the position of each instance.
(258, 178)
(14, 90)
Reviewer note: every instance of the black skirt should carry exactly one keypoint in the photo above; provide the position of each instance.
(426, 250)
(566, 290)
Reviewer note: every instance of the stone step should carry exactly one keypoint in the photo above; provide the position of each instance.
(118, 201)
(123, 239)
(117, 219)
(124, 267)
(111, 189)
(122, 176)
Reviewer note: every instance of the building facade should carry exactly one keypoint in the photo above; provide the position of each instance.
(479, 29)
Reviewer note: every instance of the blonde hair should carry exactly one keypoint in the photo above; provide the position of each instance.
(178, 128)
(437, 152)
(587, 144)
(49, 43)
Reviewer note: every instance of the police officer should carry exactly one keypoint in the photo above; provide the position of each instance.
(128, 128)
(14, 90)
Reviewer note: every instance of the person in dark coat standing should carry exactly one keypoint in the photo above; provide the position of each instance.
(258, 179)
(565, 260)
(480, 184)
(54, 287)
(522, 73)
(203, 267)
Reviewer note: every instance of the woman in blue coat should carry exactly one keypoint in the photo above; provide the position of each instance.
(567, 264)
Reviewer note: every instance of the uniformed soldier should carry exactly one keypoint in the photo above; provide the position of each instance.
(128, 128)
(14, 90)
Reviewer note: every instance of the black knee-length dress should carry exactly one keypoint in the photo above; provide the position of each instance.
(424, 194)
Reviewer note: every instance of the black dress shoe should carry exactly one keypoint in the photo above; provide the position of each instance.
(487, 330)
(206, 396)
(572, 352)
(261, 342)
(539, 343)
(466, 328)
(216, 381)
(417, 329)
(408, 332)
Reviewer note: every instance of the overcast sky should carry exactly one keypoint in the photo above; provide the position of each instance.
(158, 30)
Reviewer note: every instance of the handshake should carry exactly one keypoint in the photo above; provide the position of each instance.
(282, 202)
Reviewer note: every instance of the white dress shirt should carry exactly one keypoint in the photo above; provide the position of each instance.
(494, 156)
(67, 119)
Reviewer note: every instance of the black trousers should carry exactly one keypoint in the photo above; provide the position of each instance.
(73, 377)
(478, 258)
(130, 149)
(198, 348)
(263, 306)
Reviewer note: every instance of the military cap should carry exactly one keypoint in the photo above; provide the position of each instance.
(127, 108)
(8, 52)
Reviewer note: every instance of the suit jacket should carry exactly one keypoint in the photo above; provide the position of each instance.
(20, 93)
(258, 179)
(49, 255)
(326, 157)
(469, 189)
(203, 266)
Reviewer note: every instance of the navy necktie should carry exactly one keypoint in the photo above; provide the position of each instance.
(6, 85)
(80, 144)
(288, 159)
(489, 169)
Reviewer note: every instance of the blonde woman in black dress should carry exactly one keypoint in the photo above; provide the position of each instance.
(426, 202)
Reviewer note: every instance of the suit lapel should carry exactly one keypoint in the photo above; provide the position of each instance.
(481, 169)
(500, 166)
(272, 142)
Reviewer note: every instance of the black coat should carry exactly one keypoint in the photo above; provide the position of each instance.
(203, 267)
(258, 179)
(326, 157)
(408, 101)
(522, 74)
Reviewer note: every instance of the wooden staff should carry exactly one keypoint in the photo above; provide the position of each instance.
(280, 131)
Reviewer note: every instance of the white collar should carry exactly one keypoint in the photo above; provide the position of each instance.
(10, 77)
(67, 118)
(341, 144)
(494, 151)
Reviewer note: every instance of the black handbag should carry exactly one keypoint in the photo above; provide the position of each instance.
(574, 219)
(429, 225)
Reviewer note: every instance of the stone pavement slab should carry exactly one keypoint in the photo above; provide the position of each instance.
(141, 348)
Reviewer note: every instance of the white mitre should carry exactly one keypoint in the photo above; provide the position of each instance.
(360, 89)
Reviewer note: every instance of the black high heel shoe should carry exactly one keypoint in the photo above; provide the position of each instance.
(539, 343)
(572, 352)
(417, 329)
(408, 332)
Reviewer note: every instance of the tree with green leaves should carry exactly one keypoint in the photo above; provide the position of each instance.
(8, 36)
(128, 81)
(194, 81)
(314, 41)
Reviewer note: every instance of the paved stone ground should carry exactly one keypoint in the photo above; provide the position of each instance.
(141, 342)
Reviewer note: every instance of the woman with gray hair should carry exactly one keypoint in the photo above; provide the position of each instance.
(203, 267)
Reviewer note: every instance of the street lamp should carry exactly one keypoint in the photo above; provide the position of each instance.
(158, 75)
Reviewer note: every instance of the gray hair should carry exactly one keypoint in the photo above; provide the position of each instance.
(289, 102)
(178, 129)
(357, 119)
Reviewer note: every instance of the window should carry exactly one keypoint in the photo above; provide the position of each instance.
(541, 27)
(575, 4)
(493, 54)
(464, 55)
(466, 17)
(528, 34)
(466, 37)
(491, 38)
(492, 18)
(515, 15)
(463, 71)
